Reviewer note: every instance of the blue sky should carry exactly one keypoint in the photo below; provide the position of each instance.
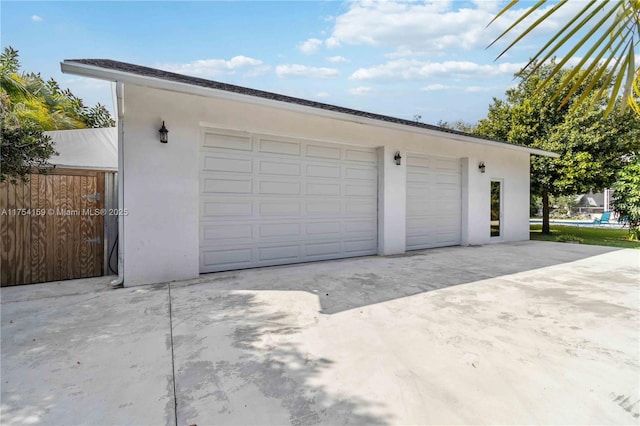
(402, 59)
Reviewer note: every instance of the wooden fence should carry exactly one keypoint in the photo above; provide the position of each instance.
(51, 227)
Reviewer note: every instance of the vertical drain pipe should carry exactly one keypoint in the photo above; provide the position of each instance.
(119, 105)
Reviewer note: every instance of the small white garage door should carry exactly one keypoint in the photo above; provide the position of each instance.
(433, 202)
(270, 201)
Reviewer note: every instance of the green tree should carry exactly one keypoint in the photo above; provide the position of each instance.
(626, 196)
(31, 98)
(30, 105)
(23, 147)
(609, 31)
(460, 125)
(593, 147)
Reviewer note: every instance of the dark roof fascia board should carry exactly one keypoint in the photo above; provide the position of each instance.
(164, 80)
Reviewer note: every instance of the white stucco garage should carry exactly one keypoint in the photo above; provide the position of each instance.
(251, 178)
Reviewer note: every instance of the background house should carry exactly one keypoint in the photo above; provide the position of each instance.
(590, 203)
(251, 178)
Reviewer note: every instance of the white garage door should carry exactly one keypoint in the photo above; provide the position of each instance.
(270, 201)
(433, 202)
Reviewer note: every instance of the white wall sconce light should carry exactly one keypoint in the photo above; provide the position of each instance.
(482, 167)
(164, 134)
(398, 158)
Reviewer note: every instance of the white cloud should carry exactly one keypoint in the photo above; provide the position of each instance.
(490, 5)
(37, 18)
(322, 95)
(337, 59)
(362, 90)
(478, 89)
(332, 42)
(310, 46)
(413, 69)
(436, 25)
(434, 87)
(296, 70)
(218, 67)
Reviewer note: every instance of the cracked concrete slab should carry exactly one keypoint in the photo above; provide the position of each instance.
(529, 332)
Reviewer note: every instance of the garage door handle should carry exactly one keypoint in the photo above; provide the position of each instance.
(95, 240)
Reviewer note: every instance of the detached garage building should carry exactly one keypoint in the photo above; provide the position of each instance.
(250, 178)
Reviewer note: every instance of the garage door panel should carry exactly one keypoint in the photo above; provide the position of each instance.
(419, 172)
(433, 202)
(353, 190)
(364, 156)
(229, 233)
(321, 151)
(363, 247)
(279, 187)
(279, 208)
(452, 165)
(448, 179)
(421, 162)
(297, 201)
(215, 184)
(360, 173)
(419, 206)
(279, 147)
(323, 208)
(322, 249)
(327, 189)
(217, 163)
(226, 259)
(323, 171)
(366, 227)
(228, 142)
(427, 224)
(269, 230)
(278, 168)
(361, 208)
(290, 253)
(215, 208)
(322, 228)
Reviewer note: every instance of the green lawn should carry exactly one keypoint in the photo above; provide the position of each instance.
(587, 235)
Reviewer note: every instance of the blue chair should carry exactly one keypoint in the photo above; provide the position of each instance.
(604, 219)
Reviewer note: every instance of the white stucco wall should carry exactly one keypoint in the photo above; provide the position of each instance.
(162, 180)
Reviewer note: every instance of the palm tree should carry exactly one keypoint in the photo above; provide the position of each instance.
(11, 83)
(609, 29)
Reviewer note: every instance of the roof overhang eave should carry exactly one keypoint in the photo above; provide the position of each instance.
(92, 71)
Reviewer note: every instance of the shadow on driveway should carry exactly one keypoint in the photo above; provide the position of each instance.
(313, 344)
(353, 283)
(235, 364)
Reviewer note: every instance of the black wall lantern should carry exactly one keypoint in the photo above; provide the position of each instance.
(398, 158)
(482, 167)
(164, 134)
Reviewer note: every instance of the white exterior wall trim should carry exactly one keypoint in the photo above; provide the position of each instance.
(71, 67)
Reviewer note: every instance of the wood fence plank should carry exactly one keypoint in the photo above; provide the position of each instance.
(75, 193)
(38, 231)
(26, 236)
(21, 225)
(11, 235)
(50, 245)
(61, 228)
(86, 231)
(4, 234)
(99, 227)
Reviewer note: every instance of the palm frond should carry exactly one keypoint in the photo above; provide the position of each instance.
(608, 30)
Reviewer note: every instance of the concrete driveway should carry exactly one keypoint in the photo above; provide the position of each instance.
(518, 333)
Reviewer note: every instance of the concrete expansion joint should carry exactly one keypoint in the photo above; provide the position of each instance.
(173, 358)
